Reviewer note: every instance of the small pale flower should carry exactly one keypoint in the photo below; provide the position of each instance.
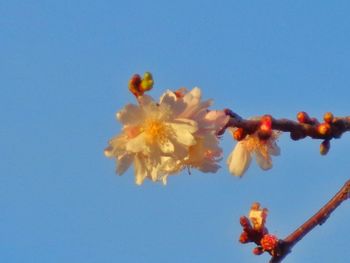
(241, 156)
(257, 216)
(160, 138)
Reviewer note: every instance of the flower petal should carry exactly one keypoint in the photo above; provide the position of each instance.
(183, 133)
(274, 149)
(140, 170)
(219, 118)
(166, 146)
(123, 163)
(239, 160)
(137, 144)
(265, 163)
(176, 105)
(130, 115)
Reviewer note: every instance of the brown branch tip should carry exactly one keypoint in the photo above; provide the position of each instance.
(254, 229)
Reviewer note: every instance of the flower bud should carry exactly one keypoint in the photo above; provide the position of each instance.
(134, 85)
(328, 117)
(257, 216)
(239, 134)
(303, 117)
(265, 129)
(138, 86)
(258, 251)
(324, 129)
(244, 238)
(324, 147)
(269, 242)
(147, 82)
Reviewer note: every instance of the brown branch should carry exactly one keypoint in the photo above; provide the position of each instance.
(332, 127)
(254, 229)
(285, 245)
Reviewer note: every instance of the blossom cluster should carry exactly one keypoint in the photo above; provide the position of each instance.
(161, 138)
(254, 230)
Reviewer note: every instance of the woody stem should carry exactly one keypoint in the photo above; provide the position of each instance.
(297, 130)
(319, 218)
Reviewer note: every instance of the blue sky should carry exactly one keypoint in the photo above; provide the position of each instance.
(64, 70)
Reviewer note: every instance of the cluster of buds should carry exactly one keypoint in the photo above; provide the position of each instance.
(254, 230)
(263, 130)
(138, 86)
(324, 129)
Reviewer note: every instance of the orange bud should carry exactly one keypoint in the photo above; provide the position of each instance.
(324, 128)
(303, 117)
(324, 147)
(269, 242)
(328, 117)
(239, 134)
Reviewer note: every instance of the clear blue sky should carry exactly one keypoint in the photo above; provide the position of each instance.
(64, 67)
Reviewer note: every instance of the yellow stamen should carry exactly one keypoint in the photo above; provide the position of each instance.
(156, 131)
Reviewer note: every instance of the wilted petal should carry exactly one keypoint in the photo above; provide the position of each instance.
(239, 160)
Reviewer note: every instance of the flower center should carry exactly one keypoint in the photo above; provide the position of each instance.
(155, 130)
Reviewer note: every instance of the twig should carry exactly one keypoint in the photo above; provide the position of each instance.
(332, 127)
(285, 245)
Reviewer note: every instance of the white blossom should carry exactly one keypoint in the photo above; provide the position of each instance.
(163, 138)
(240, 158)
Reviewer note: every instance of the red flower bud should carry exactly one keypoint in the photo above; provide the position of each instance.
(244, 238)
(244, 221)
(265, 129)
(134, 85)
(269, 242)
